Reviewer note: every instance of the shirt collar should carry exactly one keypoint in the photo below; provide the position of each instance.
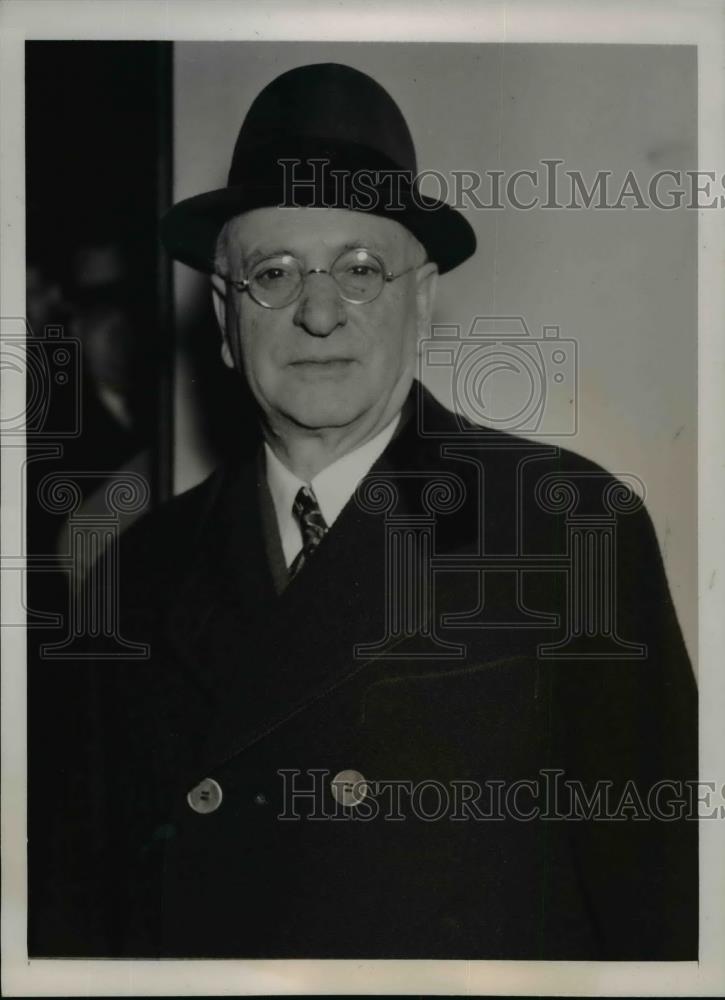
(333, 486)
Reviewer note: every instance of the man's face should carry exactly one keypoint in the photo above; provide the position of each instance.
(322, 362)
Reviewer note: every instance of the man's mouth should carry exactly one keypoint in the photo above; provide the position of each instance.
(322, 366)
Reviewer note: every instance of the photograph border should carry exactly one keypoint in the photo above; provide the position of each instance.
(700, 24)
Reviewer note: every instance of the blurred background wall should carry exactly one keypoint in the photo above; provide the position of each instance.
(621, 284)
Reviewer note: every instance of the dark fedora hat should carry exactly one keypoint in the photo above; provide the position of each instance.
(329, 136)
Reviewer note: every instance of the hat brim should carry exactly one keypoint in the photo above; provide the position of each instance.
(190, 229)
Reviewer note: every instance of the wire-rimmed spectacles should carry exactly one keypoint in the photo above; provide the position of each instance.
(277, 281)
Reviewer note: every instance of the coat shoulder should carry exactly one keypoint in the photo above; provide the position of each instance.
(437, 425)
(157, 548)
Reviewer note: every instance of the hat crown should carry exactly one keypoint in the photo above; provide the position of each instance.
(320, 109)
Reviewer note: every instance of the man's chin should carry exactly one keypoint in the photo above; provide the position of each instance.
(319, 409)
(321, 415)
(320, 403)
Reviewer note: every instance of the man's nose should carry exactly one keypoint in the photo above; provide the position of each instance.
(320, 308)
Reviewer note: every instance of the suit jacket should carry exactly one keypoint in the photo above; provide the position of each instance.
(394, 654)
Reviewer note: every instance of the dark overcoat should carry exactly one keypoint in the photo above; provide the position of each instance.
(486, 628)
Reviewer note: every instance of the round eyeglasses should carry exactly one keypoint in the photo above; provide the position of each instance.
(277, 281)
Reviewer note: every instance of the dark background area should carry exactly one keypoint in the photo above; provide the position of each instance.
(98, 176)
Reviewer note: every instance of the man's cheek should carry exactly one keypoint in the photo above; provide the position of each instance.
(389, 350)
(260, 351)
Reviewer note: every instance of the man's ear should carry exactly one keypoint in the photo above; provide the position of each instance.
(219, 300)
(427, 285)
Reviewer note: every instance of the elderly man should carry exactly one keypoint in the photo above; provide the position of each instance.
(377, 720)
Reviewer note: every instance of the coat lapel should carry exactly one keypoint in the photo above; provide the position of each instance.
(271, 657)
(258, 655)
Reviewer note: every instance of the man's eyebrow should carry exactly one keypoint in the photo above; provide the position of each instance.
(254, 256)
(262, 253)
(383, 249)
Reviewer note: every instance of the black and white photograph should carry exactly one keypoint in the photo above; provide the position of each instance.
(362, 465)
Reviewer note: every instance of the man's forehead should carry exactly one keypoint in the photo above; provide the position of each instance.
(296, 230)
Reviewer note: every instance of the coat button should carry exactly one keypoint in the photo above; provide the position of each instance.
(206, 797)
(349, 788)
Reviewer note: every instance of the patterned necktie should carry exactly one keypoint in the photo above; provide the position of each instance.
(312, 525)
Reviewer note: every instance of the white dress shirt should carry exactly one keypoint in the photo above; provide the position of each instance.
(333, 487)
